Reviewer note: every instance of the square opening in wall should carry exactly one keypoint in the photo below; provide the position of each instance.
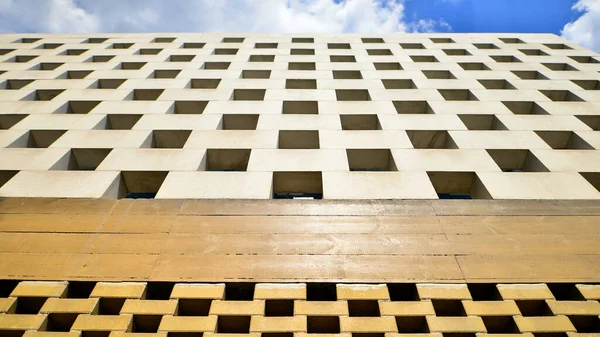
(298, 139)
(529, 75)
(166, 73)
(593, 121)
(379, 52)
(321, 291)
(347, 74)
(81, 159)
(233, 324)
(101, 58)
(248, 94)
(482, 122)
(588, 84)
(274, 308)
(28, 40)
(205, 83)
(475, 66)
(457, 95)
(256, 74)
(560, 66)
(441, 40)
(431, 139)
(303, 40)
(372, 40)
(227, 159)
(363, 308)
(239, 121)
(584, 59)
(360, 122)
(169, 139)
(533, 52)
(149, 51)
(412, 46)
(164, 39)
(48, 66)
(301, 66)
(121, 45)
(561, 96)
(399, 84)
(592, 178)
(242, 291)
(146, 94)
(193, 45)
(97, 40)
(107, 83)
(16, 84)
(132, 65)
(338, 46)
(302, 51)
(76, 74)
(140, 184)
(300, 107)
(43, 95)
(458, 185)
(78, 107)
(412, 324)
(505, 59)
(423, 58)
(75, 52)
(121, 121)
(7, 121)
(190, 107)
(510, 40)
(557, 46)
(448, 308)
(371, 160)
(323, 324)
(525, 108)
(352, 95)
(297, 185)
(233, 40)
(485, 46)
(564, 140)
(517, 161)
(6, 175)
(261, 58)
(300, 84)
(456, 52)
(216, 65)
(496, 84)
(226, 51)
(342, 58)
(500, 324)
(265, 45)
(37, 138)
(387, 66)
(22, 58)
(413, 107)
(438, 74)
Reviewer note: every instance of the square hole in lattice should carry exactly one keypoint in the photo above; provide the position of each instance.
(233, 324)
(146, 94)
(47, 66)
(482, 122)
(97, 40)
(557, 46)
(233, 40)
(169, 139)
(525, 108)
(37, 138)
(441, 40)
(423, 58)
(279, 308)
(505, 58)
(7, 121)
(193, 45)
(403, 292)
(456, 52)
(379, 52)
(323, 324)
(439, 75)
(16, 84)
(321, 291)
(22, 58)
(352, 95)
(457, 95)
(588, 84)
(101, 58)
(593, 121)
(60, 321)
(6, 51)
(342, 58)
(561, 140)
(121, 45)
(216, 65)
(140, 184)
(473, 66)
(75, 52)
(301, 66)
(300, 107)
(372, 40)
(517, 161)
(399, 84)
(458, 185)
(95, 333)
(80, 289)
(561, 96)
(43, 95)
(205, 83)
(226, 51)
(303, 40)
(529, 75)
(248, 94)
(300, 84)
(28, 40)
(76, 74)
(448, 307)
(166, 73)
(239, 121)
(387, 66)
(585, 323)
(412, 324)
(360, 122)
(7, 286)
(239, 291)
(412, 107)
(347, 74)
(500, 324)
(149, 51)
(297, 185)
(261, 58)
(363, 308)
(533, 52)
(534, 308)
(265, 45)
(484, 292)
(565, 292)
(560, 66)
(145, 323)
(227, 159)
(510, 40)
(181, 58)
(431, 139)
(132, 65)
(5, 176)
(256, 74)
(412, 46)
(298, 139)
(497, 84)
(121, 121)
(371, 160)
(77, 107)
(108, 83)
(485, 46)
(302, 51)
(164, 39)
(29, 305)
(338, 46)
(584, 59)
(193, 307)
(81, 159)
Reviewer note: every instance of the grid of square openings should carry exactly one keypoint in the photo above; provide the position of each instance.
(515, 107)
(98, 308)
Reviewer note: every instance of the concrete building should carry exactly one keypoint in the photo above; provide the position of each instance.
(137, 173)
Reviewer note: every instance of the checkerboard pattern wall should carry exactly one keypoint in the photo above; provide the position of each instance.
(250, 116)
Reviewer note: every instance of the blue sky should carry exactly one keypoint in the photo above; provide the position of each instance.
(577, 20)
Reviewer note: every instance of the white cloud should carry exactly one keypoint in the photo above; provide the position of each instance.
(278, 16)
(586, 29)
